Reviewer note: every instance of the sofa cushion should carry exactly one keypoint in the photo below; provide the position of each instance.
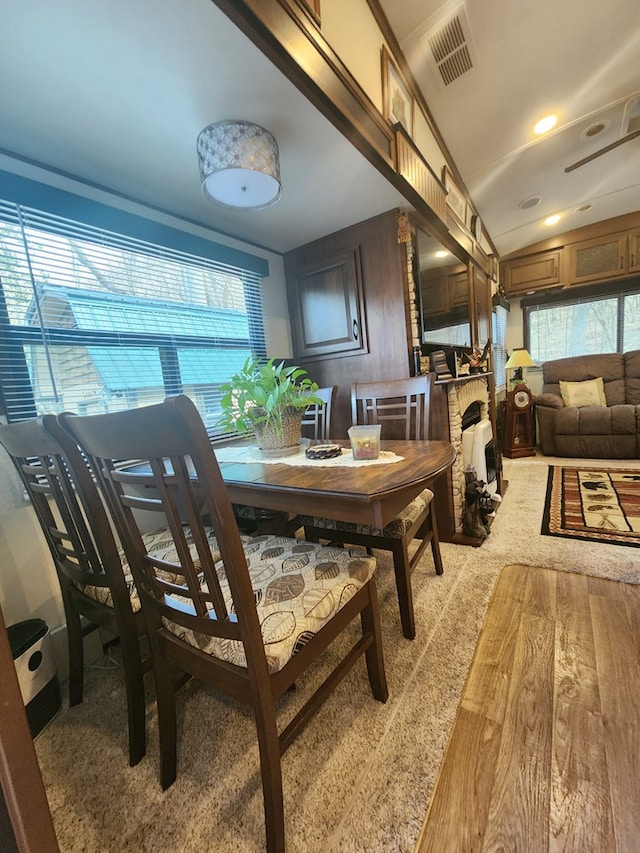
(610, 366)
(587, 393)
(596, 432)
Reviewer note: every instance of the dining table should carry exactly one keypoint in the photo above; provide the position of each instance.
(364, 492)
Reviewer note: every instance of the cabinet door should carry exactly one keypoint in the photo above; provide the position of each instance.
(459, 288)
(435, 294)
(598, 258)
(326, 306)
(532, 272)
(634, 251)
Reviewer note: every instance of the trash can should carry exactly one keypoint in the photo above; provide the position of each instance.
(31, 648)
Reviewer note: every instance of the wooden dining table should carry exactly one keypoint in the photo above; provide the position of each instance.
(365, 494)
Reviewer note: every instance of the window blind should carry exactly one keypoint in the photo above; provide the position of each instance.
(500, 315)
(95, 321)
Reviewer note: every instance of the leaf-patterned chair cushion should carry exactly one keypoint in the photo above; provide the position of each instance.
(298, 587)
(160, 544)
(396, 528)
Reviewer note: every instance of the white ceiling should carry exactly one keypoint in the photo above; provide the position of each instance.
(579, 59)
(116, 94)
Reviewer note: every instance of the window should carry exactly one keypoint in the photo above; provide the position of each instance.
(499, 320)
(595, 323)
(92, 321)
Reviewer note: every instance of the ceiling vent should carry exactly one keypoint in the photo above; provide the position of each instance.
(448, 45)
(595, 129)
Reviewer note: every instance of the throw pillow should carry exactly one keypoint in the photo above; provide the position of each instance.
(588, 393)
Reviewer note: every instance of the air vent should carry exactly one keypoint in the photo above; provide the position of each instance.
(595, 129)
(449, 47)
(529, 201)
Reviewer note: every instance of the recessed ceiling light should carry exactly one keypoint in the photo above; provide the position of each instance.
(551, 220)
(441, 253)
(530, 201)
(545, 124)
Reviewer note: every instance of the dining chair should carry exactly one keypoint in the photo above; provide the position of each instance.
(402, 408)
(249, 618)
(317, 420)
(97, 589)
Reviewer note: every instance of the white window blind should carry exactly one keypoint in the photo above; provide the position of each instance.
(93, 321)
(500, 315)
(596, 323)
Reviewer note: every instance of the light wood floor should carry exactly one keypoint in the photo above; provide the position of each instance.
(545, 751)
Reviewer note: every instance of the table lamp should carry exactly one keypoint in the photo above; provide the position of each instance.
(518, 359)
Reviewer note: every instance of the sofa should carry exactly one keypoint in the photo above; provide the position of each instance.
(578, 420)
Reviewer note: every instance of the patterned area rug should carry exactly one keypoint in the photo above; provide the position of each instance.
(593, 504)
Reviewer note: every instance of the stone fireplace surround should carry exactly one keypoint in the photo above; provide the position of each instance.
(460, 394)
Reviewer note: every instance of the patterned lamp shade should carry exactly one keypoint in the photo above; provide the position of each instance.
(239, 164)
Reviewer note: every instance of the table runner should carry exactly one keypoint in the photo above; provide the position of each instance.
(252, 453)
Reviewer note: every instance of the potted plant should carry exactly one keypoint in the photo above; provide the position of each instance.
(268, 399)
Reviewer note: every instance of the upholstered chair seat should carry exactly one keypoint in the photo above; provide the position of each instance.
(396, 529)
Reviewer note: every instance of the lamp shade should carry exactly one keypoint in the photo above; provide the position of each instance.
(519, 358)
(239, 164)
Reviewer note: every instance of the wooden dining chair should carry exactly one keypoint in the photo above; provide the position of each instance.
(402, 408)
(249, 623)
(316, 424)
(97, 589)
(317, 418)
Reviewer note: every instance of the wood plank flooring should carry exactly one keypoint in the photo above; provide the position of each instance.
(545, 750)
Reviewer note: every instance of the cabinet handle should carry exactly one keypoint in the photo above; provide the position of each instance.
(355, 330)
(621, 263)
(631, 259)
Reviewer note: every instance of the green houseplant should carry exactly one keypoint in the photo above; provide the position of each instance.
(268, 399)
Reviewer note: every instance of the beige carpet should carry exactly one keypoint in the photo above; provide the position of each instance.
(359, 777)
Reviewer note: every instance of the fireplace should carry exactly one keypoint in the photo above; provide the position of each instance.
(462, 417)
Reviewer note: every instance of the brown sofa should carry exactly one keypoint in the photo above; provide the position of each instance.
(598, 432)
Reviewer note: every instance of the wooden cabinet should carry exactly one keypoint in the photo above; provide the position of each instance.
(327, 307)
(598, 258)
(459, 288)
(532, 272)
(435, 294)
(444, 290)
(634, 250)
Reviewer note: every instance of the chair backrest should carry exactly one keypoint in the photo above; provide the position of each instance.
(317, 418)
(67, 503)
(175, 474)
(401, 406)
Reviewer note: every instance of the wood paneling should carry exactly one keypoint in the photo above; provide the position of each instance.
(388, 327)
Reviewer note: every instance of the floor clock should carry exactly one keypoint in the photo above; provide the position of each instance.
(518, 428)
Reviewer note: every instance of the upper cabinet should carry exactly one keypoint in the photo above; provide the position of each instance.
(541, 269)
(598, 258)
(599, 252)
(326, 305)
(634, 250)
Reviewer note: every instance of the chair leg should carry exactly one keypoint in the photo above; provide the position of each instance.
(370, 618)
(134, 684)
(435, 543)
(75, 647)
(166, 704)
(271, 773)
(401, 565)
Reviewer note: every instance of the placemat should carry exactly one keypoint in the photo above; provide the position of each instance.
(252, 453)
